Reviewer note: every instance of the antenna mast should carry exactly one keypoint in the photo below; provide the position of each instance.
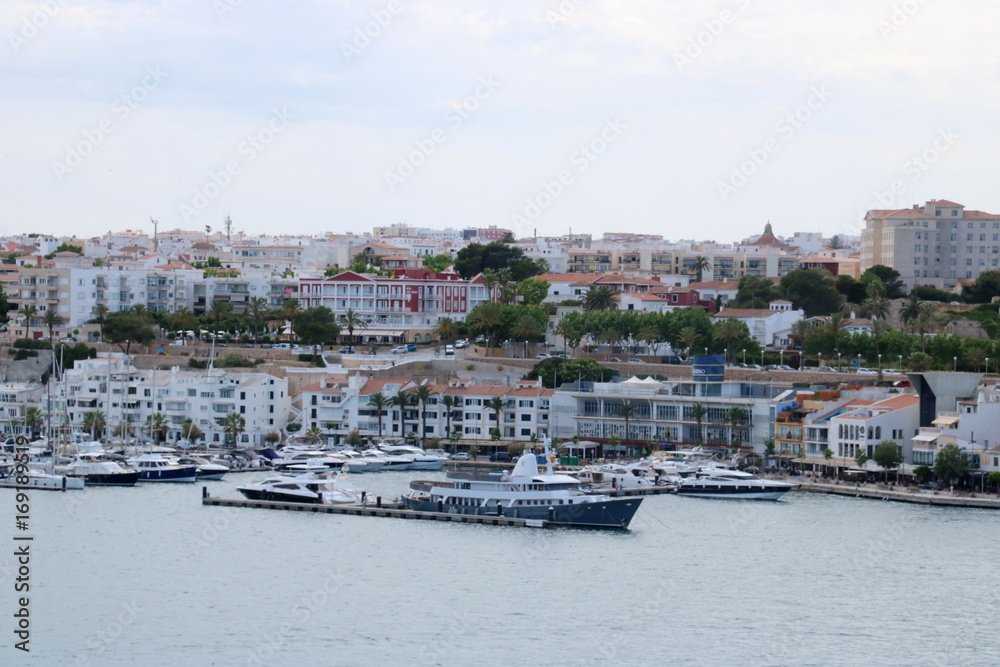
(156, 239)
(229, 228)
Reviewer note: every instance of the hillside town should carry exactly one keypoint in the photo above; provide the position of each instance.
(801, 351)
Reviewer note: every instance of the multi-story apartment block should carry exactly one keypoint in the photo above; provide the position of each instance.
(405, 306)
(938, 244)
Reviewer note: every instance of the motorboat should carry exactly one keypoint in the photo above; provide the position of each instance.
(309, 460)
(720, 482)
(97, 471)
(156, 468)
(39, 479)
(308, 488)
(389, 461)
(421, 460)
(524, 493)
(358, 462)
(614, 476)
(205, 469)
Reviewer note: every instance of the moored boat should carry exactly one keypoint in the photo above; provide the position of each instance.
(732, 484)
(155, 468)
(523, 493)
(309, 488)
(96, 471)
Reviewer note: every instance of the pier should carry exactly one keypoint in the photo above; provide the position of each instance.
(941, 498)
(379, 509)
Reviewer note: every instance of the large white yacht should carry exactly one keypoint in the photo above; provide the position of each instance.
(308, 488)
(524, 493)
(719, 482)
(421, 460)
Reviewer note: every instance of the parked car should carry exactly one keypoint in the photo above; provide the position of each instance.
(636, 361)
(826, 369)
(346, 350)
(543, 355)
(411, 348)
(461, 344)
(500, 457)
(449, 350)
(752, 367)
(930, 486)
(67, 339)
(866, 371)
(561, 355)
(892, 371)
(402, 349)
(785, 367)
(461, 456)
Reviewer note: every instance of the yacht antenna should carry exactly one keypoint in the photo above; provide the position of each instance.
(548, 456)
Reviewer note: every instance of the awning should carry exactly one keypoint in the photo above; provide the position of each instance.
(377, 332)
(925, 438)
(945, 421)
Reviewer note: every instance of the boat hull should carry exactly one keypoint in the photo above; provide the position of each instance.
(203, 475)
(271, 496)
(185, 475)
(736, 492)
(427, 465)
(124, 478)
(616, 514)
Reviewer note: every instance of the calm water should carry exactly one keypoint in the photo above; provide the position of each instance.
(148, 576)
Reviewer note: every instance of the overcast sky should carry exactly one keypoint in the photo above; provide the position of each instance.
(687, 119)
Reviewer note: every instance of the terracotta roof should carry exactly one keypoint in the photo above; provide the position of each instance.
(769, 239)
(899, 213)
(716, 284)
(642, 296)
(980, 215)
(945, 202)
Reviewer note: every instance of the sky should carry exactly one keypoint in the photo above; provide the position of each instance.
(693, 120)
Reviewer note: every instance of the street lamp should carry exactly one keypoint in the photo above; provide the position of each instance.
(900, 362)
(838, 361)
(987, 365)
(745, 358)
(880, 364)
(781, 356)
(819, 363)
(859, 360)
(955, 366)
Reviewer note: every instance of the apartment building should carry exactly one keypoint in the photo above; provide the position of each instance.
(938, 244)
(771, 326)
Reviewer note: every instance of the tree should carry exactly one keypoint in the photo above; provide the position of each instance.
(533, 291)
(828, 454)
(272, 438)
(753, 290)
(314, 433)
(836, 243)
(600, 297)
(93, 423)
(28, 312)
(986, 287)
(437, 263)
(527, 328)
(422, 395)
(951, 464)
(190, 431)
(768, 449)
(812, 290)
(126, 328)
(626, 411)
(700, 265)
(476, 258)
(556, 369)
(861, 459)
(100, 313)
(233, 425)
(379, 402)
(922, 473)
(686, 340)
(487, 319)
(32, 420)
(570, 327)
(448, 401)
(402, 400)
(729, 329)
(496, 406)
(354, 439)
(445, 328)
(52, 319)
(734, 417)
(157, 427)
(889, 277)
(352, 320)
(217, 313)
(888, 455)
(698, 412)
(257, 311)
(65, 247)
(316, 326)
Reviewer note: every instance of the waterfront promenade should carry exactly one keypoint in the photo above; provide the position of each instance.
(897, 493)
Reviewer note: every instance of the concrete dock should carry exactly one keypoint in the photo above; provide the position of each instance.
(902, 495)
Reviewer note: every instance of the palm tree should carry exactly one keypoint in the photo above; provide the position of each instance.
(32, 419)
(527, 328)
(976, 355)
(445, 328)
(314, 433)
(52, 319)
(184, 320)
(567, 329)
(836, 327)
(911, 309)
(93, 423)
(233, 425)
(626, 411)
(28, 312)
(288, 311)
(257, 310)
(448, 402)
(728, 330)
(686, 339)
(422, 395)
(700, 265)
(600, 297)
(379, 402)
(734, 417)
(217, 312)
(876, 307)
(352, 320)
(485, 319)
(100, 313)
(402, 400)
(496, 405)
(157, 426)
(191, 431)
(698, 412)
